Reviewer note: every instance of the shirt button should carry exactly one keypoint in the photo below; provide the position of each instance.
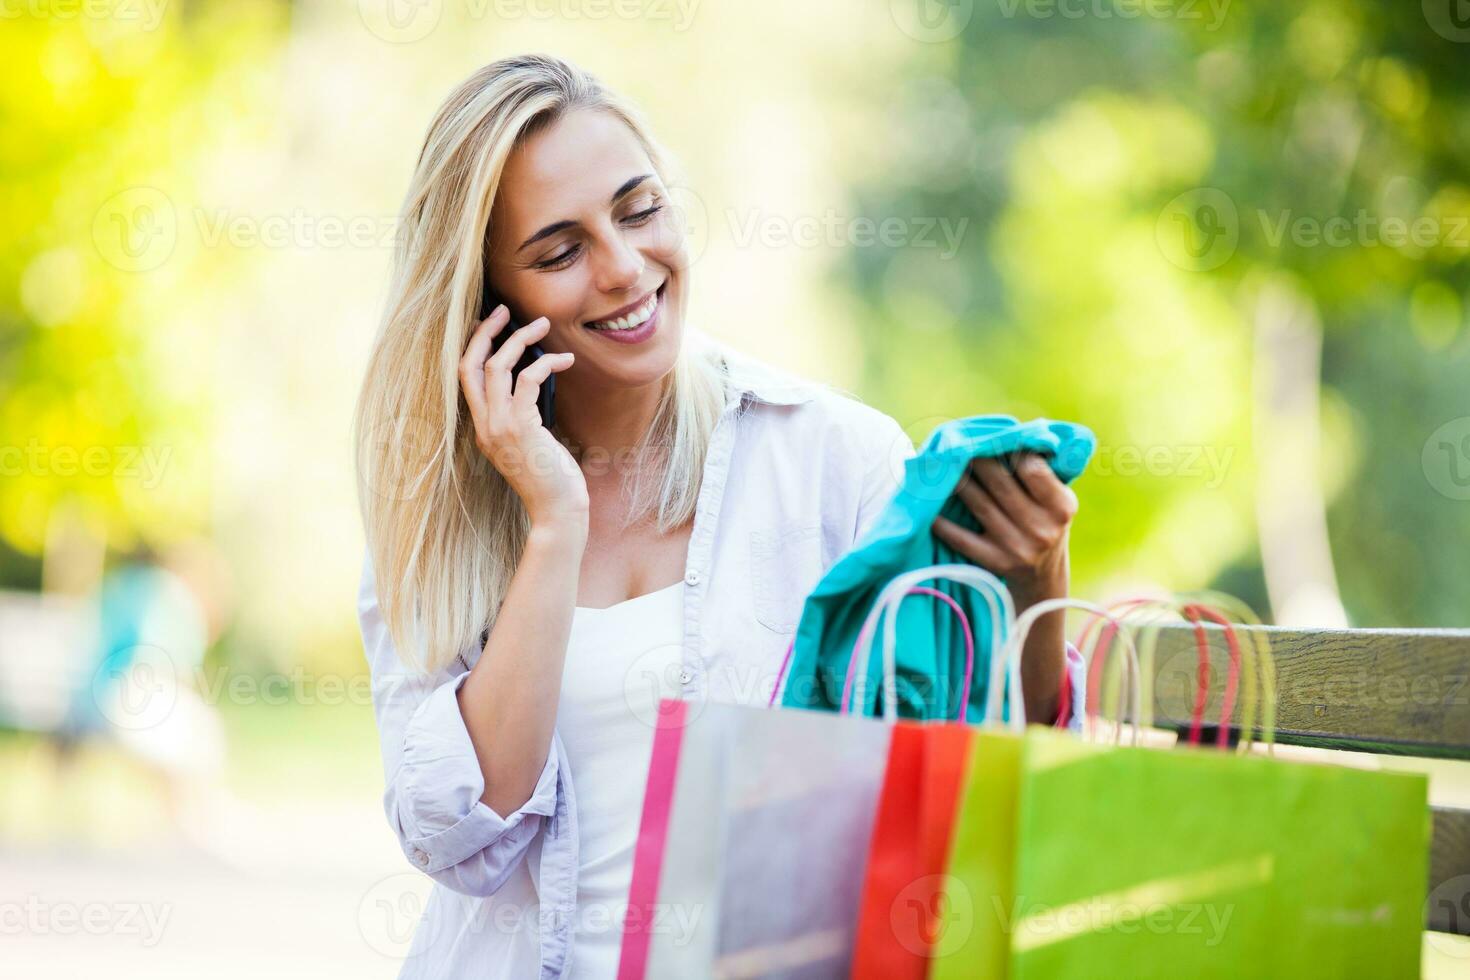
(420, 858)
(686, 677)
(692, 578)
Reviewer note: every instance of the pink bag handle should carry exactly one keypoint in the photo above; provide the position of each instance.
(1191, 611)
(863, 634)
(969, 648)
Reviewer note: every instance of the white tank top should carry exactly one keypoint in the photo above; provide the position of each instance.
(620, 661)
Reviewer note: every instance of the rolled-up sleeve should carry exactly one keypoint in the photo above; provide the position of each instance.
(433, 780)
(1077, 682)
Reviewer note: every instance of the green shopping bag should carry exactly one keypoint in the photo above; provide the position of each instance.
(1073, 859)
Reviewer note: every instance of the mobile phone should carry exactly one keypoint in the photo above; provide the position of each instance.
(547, 395)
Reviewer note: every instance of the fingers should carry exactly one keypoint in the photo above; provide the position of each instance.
(472, 364)
(498, 381)
(1000, 483)
(985, 553)
(1022, 515)
(994, 522)
(528, 382)
(1036, 476)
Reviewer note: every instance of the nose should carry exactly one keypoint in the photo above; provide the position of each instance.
(621, 265)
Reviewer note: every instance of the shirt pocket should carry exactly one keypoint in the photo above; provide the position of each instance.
(786, 562)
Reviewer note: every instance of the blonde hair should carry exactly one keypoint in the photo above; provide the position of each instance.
(444, 529)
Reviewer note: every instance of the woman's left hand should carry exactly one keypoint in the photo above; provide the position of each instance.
(1024, 518)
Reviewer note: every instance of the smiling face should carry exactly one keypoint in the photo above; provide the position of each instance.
(583, 233)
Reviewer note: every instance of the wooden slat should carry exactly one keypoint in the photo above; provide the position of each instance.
(1395, 691)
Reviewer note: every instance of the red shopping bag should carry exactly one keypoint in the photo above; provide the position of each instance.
(900, 918)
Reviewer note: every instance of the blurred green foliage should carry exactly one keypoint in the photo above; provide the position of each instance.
(105, 344)
(1131, 185)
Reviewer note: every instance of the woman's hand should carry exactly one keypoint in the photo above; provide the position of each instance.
(508, 428)
(1024, 518)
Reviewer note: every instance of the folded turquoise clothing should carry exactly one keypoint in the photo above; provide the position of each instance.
(930, 647)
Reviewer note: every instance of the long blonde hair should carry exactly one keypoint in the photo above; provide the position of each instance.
(444, 529)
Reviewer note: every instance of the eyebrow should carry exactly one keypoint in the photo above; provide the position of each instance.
(628, 187)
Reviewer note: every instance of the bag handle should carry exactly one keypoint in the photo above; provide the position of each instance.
(1016, 644)
(1193, 609)
(864, 637)
(990, 588)
(916, 590)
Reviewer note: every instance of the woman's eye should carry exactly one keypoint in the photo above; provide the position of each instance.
(560, 261)
(565, 258)
(640, 217)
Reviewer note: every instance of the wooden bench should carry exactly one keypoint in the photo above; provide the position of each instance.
(1385, 691)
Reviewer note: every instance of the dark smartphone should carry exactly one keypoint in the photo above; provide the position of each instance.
(547, 395)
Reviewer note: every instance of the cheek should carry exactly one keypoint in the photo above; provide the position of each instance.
(556, 296)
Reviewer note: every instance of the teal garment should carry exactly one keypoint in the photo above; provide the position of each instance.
(931, 645)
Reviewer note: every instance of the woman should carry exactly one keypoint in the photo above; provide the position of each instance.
(529, 592)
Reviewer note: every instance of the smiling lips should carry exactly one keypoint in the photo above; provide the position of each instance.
(631, 319)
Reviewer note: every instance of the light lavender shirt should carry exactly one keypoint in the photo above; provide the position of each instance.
(796, 472)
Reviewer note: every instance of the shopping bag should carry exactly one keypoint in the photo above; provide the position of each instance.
(926, 762)
(898, 919)
(1074, 859)
(750, 854)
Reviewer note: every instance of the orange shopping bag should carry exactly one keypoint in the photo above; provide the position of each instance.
(899, 918)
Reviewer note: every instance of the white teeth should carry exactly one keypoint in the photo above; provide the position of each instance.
(635, 319)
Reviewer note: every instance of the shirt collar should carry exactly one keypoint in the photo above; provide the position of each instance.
(764, 383)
